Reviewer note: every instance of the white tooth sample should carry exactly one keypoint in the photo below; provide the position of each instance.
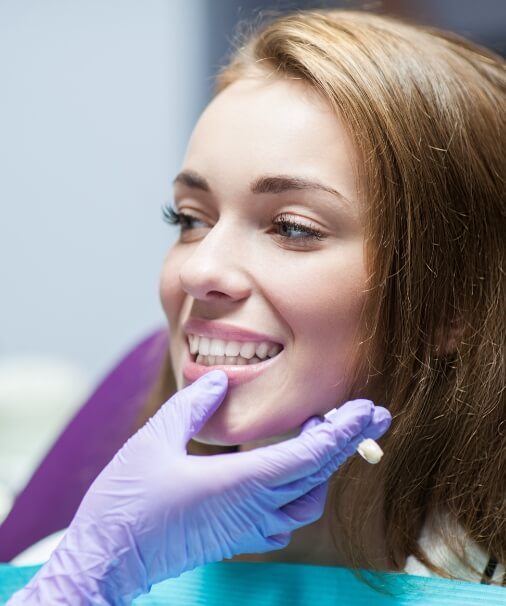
(232, 348)
(211, 360)
(231, 360)
(204, 346)
(194, 344)
(370, 451)
(274, 350)
(217, 347)
(199, 359)
(262, 349)
(248, 350)
(254, 360)
(220, 360)
(241, 361)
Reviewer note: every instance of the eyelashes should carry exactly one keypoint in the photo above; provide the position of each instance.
(172, 217)
(283, 222)
(310, 231)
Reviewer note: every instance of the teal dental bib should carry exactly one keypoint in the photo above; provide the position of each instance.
(253, 584)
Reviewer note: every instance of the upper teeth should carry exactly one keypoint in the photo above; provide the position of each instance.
(218, 347)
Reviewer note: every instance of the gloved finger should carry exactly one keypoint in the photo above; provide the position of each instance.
(379, 425)
(344, 415)
(302, 511)
(277, 541)
(187, 411)
(309, 507)
(210, 391)
(262, 543)
(312, 422)
(283, 494)
(380, 414)
(305, 454)
(288, 493)
(381, 421)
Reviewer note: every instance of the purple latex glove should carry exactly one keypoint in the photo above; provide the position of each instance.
(155, 511)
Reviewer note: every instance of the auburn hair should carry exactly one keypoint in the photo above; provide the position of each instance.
(426, 112)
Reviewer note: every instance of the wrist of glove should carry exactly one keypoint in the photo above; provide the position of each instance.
(155, 511)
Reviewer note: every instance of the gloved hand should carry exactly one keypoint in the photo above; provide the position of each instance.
(155, 511)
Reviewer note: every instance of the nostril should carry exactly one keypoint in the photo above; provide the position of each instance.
(217, 294)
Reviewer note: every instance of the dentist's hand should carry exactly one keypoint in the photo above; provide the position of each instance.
(155, 511)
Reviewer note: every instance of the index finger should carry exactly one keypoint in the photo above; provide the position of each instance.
(312, 449)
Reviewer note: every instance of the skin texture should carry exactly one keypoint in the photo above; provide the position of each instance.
(235, 266)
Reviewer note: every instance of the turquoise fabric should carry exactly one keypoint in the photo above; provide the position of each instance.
(252, 584)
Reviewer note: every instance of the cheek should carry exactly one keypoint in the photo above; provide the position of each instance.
(322, 303)
(323, 297)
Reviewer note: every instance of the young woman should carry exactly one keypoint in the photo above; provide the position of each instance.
(344, 193)
(341, 207)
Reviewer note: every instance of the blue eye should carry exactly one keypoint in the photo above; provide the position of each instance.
(302, 231)
(287, 228)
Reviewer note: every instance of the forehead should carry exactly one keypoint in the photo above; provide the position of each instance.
(264, 126)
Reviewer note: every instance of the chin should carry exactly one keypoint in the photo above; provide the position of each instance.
(218, 431)
(219, 434)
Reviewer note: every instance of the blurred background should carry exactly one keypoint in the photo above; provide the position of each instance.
(98, 99)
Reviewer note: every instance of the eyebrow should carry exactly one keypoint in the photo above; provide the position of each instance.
(189, 178)
(266, 184)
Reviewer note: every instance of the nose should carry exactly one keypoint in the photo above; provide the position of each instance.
(216, 268)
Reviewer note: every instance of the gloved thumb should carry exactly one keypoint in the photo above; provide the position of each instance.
(199, 401)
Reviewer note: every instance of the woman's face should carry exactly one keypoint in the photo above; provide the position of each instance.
(266, 152)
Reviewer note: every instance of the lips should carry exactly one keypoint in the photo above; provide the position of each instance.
(228, 332)
(236, 374)
(213, 351)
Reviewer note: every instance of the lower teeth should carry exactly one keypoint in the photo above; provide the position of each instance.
(226, 360)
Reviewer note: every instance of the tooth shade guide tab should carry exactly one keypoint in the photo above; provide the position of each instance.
(370, 451)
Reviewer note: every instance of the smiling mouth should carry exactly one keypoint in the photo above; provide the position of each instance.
(239, 353)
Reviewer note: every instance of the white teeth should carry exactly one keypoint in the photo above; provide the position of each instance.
(247, 350)
(194, 344)
(217, 347)
(262, 349)
(226, 360)
(204, 346)
(232, 348)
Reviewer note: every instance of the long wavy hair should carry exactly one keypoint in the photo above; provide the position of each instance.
(426, 111)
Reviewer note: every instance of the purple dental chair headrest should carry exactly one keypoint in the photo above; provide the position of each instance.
(101, 426)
